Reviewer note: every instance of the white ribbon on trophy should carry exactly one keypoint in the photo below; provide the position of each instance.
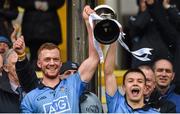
(141, 54)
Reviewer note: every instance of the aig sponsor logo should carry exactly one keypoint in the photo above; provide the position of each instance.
(61, 104)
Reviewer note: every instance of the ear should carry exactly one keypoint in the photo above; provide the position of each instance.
(173, 74)
(123, 88)
(145, 87)
(38, 63)
(5, 67)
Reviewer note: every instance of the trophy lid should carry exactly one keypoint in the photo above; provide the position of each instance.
(105, 10)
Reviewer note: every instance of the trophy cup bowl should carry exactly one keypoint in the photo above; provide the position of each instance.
(106, 31)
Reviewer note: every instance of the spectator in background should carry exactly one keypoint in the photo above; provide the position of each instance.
(164, 75)
(144, 33)
(152, 95)
(40, 24)
(5, 44)
(168, 20)
(68, 68)
(8, 12)
(172, 8)
(10, 91)
(133, 85)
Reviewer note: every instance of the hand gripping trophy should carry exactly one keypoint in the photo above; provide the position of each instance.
(108, 30)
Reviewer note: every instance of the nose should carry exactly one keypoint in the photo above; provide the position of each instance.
(52, 61)
(164, 72)
(135, 83)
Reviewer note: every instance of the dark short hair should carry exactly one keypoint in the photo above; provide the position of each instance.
(162, 58)
(131, 71)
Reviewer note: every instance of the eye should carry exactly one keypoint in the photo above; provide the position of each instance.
(56, 59)
(140, 81)
(70, 72)
(129, 80)
(168, 71)
(67, 73)
(74, 72)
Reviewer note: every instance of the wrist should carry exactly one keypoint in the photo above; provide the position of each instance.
(167, 6)
(22, 56)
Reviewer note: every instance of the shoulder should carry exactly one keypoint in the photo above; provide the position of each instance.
(154, 110)
(73, 77)
(32, 94)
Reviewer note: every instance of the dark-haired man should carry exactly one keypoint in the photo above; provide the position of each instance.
(134, 82)
(152, 95)
(164, 76)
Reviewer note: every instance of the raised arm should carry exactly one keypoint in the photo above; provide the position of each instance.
(89, 66)
(27, 76)
(110, 79)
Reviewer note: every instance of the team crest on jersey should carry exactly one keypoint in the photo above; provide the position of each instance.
(59, 105)
(62, 89)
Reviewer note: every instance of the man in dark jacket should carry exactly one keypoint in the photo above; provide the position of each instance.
(152, 95)
(168, 21)
(164, 76)
(40, 23)
(144, 33)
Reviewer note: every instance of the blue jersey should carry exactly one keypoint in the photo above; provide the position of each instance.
(64, 98)
(118, 104)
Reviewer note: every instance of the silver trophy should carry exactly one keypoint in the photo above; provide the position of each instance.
(106, 31)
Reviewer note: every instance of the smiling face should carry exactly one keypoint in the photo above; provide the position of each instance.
(150, 79)
(50, 63)
(164, 74)
(134, 87)
(10, 59)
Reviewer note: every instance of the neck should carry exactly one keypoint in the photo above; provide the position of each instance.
(50, 82)
(137, 104)
(163, 90)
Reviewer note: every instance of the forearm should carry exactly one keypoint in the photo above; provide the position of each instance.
(110, 79)
(26, 75)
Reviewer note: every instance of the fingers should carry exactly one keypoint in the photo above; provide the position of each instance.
(16, 33)
(87, 11)
(19, 45)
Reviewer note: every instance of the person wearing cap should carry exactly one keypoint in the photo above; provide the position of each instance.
(52, 95)
(68, 68)
(4, 44)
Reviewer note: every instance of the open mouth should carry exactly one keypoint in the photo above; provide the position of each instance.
(163, 79)
(135, 91)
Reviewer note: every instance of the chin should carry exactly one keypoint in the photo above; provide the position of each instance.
(135, 100)
(52, 76)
